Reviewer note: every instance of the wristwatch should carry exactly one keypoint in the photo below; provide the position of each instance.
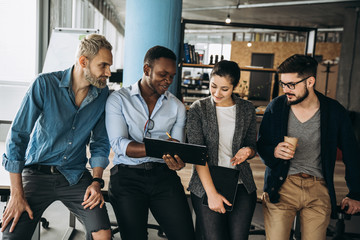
(99, 180)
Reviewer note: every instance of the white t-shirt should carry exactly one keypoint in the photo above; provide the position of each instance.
(226, 123)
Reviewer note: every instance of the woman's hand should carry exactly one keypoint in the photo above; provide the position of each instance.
(241, 155)
(216, 202)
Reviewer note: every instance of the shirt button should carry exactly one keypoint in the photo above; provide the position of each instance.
(281, 178)
(73, 127)
(70, 143)
(65, 157)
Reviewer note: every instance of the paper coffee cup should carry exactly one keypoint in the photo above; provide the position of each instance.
(292, 140)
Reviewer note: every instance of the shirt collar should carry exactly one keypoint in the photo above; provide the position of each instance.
(66, 81)
(135, 90)
(66, 78)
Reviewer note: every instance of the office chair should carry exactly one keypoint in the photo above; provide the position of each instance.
(338, 232)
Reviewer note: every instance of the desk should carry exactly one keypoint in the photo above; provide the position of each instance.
(4, 177)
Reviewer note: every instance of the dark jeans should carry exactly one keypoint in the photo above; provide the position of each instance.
(133, 192)
(43, 189)
(231, 225)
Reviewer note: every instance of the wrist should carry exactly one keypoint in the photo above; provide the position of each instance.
(211, 192)
(99, 181)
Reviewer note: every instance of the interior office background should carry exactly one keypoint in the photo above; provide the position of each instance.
(26, 26)
(26, 31)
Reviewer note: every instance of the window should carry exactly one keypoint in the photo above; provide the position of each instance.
(18, 41)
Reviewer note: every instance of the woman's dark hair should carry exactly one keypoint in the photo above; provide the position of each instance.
(304, 66)
(228, 69)
(158, 52)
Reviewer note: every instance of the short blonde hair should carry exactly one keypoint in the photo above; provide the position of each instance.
(91, 44)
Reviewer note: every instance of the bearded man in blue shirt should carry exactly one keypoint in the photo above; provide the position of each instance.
(60, 114)
(139, 183)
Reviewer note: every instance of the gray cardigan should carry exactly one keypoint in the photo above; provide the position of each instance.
(202, 128)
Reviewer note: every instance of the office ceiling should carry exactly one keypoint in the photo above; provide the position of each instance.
(303, 13)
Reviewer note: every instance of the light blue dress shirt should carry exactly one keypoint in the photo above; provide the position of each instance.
(127, 114)
(49, 129)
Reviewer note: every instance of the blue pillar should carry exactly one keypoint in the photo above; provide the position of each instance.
(149, 23)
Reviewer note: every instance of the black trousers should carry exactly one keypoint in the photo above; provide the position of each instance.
(231, 225)
(133, 192)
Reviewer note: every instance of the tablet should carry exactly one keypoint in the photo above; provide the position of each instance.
(189, 153)
(226, 183)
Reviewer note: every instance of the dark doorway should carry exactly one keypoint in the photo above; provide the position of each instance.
(260, 82)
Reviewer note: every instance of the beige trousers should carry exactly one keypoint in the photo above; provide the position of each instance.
(310, 197)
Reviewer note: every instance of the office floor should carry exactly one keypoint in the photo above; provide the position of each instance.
(58, 217)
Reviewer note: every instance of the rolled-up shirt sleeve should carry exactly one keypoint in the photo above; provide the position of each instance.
(99, 145)
(178, 130)
(23, 124)
(116, 125)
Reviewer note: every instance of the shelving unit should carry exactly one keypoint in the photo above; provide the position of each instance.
(254, 69)
(195, 90)
(192, 93)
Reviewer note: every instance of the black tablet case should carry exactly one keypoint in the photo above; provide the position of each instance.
(189, 153)
(226, 183)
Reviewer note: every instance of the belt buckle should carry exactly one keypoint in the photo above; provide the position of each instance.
(53, 170)
(148, 166)
(305, 175)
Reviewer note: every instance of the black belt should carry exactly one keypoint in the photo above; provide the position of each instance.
(48, 169)
(142, 166)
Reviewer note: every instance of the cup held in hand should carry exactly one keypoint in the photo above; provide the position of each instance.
(292, 140)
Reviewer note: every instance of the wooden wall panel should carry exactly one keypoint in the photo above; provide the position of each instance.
(329, 51)
(241, 54)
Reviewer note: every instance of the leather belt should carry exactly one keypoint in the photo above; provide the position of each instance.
(144, 166)
(305, 175)
(48, 169)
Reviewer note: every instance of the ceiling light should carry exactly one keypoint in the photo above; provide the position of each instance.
(228, 19)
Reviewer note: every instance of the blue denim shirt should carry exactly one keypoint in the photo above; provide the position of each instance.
(49, 129)
(126, 117)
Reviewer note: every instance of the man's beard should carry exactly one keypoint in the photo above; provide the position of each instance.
(93, 80)
(300, 99)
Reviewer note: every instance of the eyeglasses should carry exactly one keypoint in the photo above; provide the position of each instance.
(291, 86)
(149, 125)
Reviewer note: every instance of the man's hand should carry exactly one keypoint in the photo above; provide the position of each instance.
(16, 206)
(354, 205)
(93, 196)
(241, 156)
(173, 164)
(283, 151)
(216, 202)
